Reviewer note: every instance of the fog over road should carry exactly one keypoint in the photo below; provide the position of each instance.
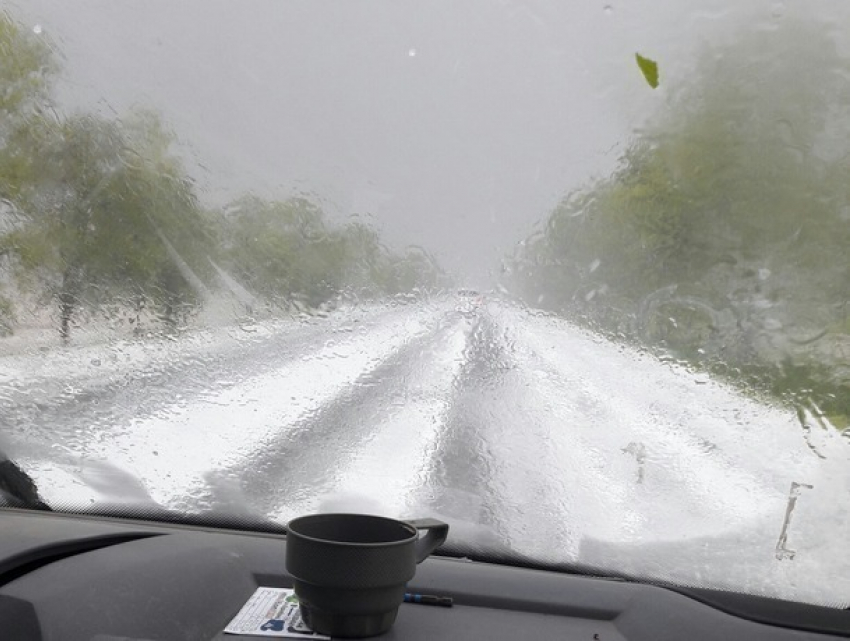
(523, 431)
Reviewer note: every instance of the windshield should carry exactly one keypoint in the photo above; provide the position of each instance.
(572, 277)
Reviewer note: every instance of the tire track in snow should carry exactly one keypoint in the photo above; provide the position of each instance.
(171, 450)
(493, 471)
(377, 441)
(80, 394)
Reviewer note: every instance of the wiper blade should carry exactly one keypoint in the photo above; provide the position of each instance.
(17, 489)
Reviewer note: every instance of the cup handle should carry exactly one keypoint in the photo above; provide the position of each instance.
(437, 533)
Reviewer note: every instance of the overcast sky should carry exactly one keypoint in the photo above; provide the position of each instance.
(452, 124)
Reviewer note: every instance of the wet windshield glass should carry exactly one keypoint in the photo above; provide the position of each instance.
(572, 277)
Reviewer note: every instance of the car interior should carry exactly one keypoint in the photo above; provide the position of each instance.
(75, 577)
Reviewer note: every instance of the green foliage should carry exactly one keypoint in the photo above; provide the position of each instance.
(26, 68)
(722, 234)
(281, 250)
(649, 69)
(7, 316)
(105, 213)
(100, 213)
(97, 210)
(285, 252)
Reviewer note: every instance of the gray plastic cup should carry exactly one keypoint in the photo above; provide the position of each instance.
(350, 570)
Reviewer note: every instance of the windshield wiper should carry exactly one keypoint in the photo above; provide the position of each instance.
(17, 489)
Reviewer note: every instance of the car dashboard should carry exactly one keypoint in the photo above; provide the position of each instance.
(72, 577)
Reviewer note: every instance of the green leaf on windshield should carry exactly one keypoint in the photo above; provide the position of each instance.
(649, 69)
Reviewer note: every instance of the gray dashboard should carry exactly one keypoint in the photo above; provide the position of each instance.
(67, 577)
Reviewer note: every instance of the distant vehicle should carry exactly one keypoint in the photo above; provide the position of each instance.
(469, 302)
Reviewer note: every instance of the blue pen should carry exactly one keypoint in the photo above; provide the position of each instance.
(428, 599)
